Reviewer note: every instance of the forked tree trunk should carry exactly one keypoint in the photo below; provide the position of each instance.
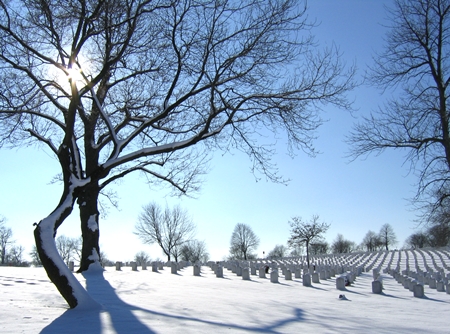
(89, 216)
(66, 283)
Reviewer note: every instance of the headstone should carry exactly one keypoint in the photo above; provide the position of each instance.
(219, 271)
(288, 275)
(440, 286)
(262, 272)
(118, 265)
(133, 266)
(340, 283)
(375, 273)
(315, 278)
(253, 270)
(238, 271)
(274, 276)
(432, 283)
(306, 280)
(196, 270)
(377, 287)
(154, 267)
(71, 265)
(323, 275)
(144, 266)
(418, 291)
(173, 267)
(298, 273)
(448, 288)
(245, 274)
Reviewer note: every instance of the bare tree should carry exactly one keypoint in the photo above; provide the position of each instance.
(112, 88)
(5, 240)
(142, 258)
(342, 245)
(417, 240)
(305, 233)
(372, 241)
(278, 252)
(319, 247)
(439, 235)
(416, 62)
(387, 236)
(243, 242)
(194, 250)
(170, 228)
(68, 248)
(35, 260)
(15, 256)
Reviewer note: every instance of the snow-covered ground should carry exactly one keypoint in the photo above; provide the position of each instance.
(149, 302)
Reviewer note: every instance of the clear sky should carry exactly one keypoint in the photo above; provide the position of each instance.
(354, 197)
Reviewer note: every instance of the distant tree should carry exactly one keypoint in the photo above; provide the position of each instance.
(278, 252)
(35, 260)
(15, 256)
(243, 242)
(5, 240)
(319, 247)
(417, 240)
(194, 251)
(415, 61)
(342, 245)
(439, 235)
(387, 236)
(306, 233)
(141, 258)
(372, 241)
(296, 250)
(68, 248)
(170, 228)
(104, 260)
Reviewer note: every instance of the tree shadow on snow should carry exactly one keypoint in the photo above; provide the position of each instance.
(115, 315)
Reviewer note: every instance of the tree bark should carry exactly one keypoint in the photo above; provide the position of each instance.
(66, 283)
(89, 216)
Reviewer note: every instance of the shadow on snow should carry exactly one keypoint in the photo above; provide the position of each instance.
(118, 316)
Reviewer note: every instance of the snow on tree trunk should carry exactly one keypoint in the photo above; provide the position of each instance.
(89, 217)
(66, 283)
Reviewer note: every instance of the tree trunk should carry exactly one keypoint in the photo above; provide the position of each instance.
(307, 253)
(89, 217)
(44, 234)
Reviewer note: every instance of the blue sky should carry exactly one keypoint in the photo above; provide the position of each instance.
(354, 197)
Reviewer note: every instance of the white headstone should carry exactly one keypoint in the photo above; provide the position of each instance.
(306, 280)
(245, 274)
(173, 267)
(377, 287)
(196, 270)
(274, 276)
